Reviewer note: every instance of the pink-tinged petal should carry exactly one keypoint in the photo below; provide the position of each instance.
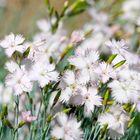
(27, 117)
(77, 36)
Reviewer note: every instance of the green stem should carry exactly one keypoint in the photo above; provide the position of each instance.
(36, 126)
(45, 132)
(30, 102)
(15, 137)
(31, 109)
(1, 132)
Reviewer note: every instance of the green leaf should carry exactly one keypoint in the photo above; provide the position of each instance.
(77, 7)
(67, 110)
(8, 123)
(26, 53)
(119, 64)
(131, 122)
(64, 62)
(22, 123)
(111, 58)
(106, 97)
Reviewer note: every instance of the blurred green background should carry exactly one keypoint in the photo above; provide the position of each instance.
(20, 16)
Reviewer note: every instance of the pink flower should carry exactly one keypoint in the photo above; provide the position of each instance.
(27, 117)
(76, 37)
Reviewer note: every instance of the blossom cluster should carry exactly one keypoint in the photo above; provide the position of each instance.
(59, 82)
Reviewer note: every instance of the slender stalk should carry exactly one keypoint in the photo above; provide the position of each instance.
(30, 102)
(45, 132)
(38, 114)
(92, 130)
(15, 136)
(31, 109)
(1, 132)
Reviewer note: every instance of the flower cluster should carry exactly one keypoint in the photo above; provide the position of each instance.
(82, 86)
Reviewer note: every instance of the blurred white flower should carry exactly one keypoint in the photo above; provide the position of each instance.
(85, 60)
(66, 128)
(125, 91)
(117, 47)
(117, 120)
(90, 100)
(5, 94)
(43, 25)
(12, 43)
(77, 37)
(43, 72)
(19, 81)
(69, 86)
(129, 74)
(11, 66)
(131, 9)
(97, 38)
(54, 44)
(105, 71)
(131, 58)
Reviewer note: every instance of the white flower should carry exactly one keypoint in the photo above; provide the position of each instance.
(83, 76)
(36, 54)
(129, 74)
(12, 43)
(90, 100)
(131, 10)
(105, 71)
(54, 44)
(85, 60)
(5, 94)
(117, 47)
(77, 36)
(44, 72)
(43, 25)
(125, 91)
(69, 86)
(67, 128)
(11, 66)
(19, 81)
(131, 58)
(117, 120)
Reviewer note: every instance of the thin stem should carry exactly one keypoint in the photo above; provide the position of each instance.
(15, 137)
(36, 126)
(45, 131)
(14, 134)
(31, 108)
(1, 132)
(30, 102)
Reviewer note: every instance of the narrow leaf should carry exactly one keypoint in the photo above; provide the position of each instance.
(119, 64)
(111, 58)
